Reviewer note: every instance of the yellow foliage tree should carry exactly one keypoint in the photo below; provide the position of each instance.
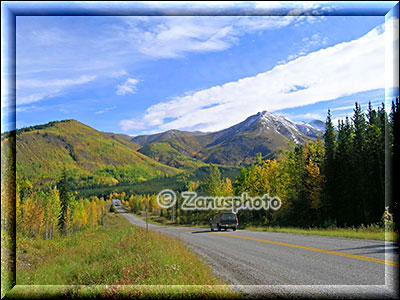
(32, 217)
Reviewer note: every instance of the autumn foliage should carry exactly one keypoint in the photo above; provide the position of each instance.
(39, 213)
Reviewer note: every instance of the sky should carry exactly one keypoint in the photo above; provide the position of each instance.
(147, 74)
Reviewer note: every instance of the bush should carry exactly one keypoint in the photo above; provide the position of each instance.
(112, 208)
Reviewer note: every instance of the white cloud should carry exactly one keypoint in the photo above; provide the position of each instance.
(392, 53)
(25, 108)
(303, 117)
(33, 90)
(173, 36)
(126, 41)
(340, 70)
(309, 43)
(32, 98)
(128, 87)
(117, 74)
(99, 112)
(56, 83)
(342, 108)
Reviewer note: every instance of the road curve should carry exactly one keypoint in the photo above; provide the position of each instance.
(292, 264)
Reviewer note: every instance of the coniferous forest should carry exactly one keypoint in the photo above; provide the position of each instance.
(342, 179)
(339, 180)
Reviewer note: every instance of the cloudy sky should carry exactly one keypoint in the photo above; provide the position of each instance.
(139, 75)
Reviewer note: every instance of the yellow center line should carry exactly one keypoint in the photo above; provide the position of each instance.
(366, 258)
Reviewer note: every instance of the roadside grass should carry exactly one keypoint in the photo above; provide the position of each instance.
(117, 253)
(157, 220)
(369, 233)
(122, 291)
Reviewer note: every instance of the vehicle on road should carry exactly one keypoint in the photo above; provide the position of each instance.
(116, 202)
(225, 221)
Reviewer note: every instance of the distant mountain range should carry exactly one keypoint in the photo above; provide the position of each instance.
(264, 133)
(96, 158)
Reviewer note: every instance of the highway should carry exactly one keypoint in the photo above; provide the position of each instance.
(286, 264)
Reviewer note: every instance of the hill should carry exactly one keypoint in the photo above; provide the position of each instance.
(164, 136)
(91, 157)
(124, 139)
(165, 153)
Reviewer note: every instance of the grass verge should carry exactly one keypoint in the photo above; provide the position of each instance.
(357, 233)
(157, 220)
(114, 254)
(369, 233)
(122, 291)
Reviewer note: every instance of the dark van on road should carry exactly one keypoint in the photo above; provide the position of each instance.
(224, 220)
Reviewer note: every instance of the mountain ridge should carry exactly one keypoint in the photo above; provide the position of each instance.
(263, 132)
(314, 127)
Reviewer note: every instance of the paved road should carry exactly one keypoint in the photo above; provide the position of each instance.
(293, 262)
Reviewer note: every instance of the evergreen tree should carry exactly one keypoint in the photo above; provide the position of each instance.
(66, 198)
(345, 205)
(359, 163)
(329, 169)
(375, 153)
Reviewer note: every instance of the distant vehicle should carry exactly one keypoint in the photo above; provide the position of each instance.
(224, 220)
(116, 202)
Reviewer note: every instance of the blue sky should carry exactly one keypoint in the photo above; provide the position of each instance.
(138, 75)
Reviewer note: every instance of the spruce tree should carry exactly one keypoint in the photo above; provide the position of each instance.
(374, 153)
(346, 205)
(329, 169)
(359, 163)
(66, 197)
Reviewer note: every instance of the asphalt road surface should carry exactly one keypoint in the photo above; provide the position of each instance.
(285, 264)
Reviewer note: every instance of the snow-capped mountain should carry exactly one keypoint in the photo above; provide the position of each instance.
(318, 124)
(266, 123)
(264, 133)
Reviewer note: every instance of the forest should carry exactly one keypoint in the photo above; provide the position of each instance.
(338, 180)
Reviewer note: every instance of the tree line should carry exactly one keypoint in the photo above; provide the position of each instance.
(337, 180)
(54, 212)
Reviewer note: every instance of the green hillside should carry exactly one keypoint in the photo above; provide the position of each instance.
(91, 157)
(124, 139)
(163, 152)
(241, 149)
(190, 145)
(164, 136)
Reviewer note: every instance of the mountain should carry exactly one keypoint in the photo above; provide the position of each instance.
(263, 132)
(318, 124)
(95, 158)
(307, 129)
(163, 152)
(91, 157)
(124, 139)
(163, 136)
(175, 148)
